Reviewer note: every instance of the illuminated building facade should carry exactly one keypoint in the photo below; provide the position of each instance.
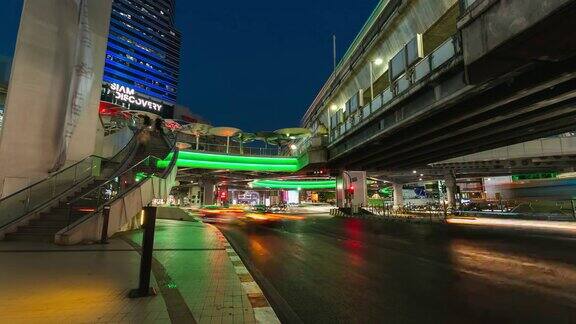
(142, 57)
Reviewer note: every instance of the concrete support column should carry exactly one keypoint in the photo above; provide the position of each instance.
(348, 180)
(398, 197)
(38, 100)
(208, 192)
(340, 192)
(451, 189)
(194, 194)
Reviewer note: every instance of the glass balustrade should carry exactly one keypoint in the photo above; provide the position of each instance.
(39, 194)
(32, 197)
(442, 54)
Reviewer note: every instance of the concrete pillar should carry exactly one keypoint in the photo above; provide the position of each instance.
(194, 194)
(39, 90)
(208, 192)
(398, 197)
(340, 192)
(346, 180)
(451, 189)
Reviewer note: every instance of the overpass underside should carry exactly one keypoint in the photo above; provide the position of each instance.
(459, 111)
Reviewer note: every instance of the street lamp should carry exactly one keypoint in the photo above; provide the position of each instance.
(333, 108)
(377, 62)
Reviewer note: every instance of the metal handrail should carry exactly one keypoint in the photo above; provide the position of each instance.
(235, 149)
(104, 184)
(124, 172)
(54, 174)
(50, 176)
(244, 150)
(100, 204)
(21, 202)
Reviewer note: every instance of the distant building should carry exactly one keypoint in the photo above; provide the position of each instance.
(143, 56)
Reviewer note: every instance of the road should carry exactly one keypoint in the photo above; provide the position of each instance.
(335, 270)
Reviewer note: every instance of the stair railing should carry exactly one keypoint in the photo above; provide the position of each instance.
(37, 195)
(93, 200)
(96, 199)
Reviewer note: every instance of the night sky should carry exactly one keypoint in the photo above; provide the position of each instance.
(255, 64)
(10, 18)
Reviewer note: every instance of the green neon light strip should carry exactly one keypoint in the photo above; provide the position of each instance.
(297, 182)
(235, 162)
(288, 184)
(187, 155)
(231, 166)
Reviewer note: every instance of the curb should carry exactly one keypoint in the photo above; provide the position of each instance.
(263, 312)
(395, 218)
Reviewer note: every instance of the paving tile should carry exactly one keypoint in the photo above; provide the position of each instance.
(91, 285)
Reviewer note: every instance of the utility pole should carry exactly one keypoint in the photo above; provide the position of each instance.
(334, 49)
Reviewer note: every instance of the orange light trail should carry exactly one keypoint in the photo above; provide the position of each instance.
(271, 216)
(516, 223)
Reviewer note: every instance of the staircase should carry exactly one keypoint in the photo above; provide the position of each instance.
(156, 147)
(51, 222)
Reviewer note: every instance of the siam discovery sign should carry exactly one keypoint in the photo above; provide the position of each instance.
(126, 94)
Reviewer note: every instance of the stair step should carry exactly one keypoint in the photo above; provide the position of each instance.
(56, 210)
(38, 230)
(61, 217)
(48, 222)
(47, 225)
(29, 237)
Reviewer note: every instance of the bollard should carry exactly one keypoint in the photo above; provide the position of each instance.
(105, 221)
(144, 289)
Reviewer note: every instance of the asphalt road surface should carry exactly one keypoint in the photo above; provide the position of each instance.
(334, 270)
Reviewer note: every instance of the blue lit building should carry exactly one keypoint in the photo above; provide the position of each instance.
(143, 56)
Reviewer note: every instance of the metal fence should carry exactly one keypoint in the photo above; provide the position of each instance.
(247, 150)
(532, 209)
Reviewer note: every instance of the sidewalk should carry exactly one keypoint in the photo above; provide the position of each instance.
(45, 283)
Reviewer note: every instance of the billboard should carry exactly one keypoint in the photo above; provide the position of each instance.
(128, 98)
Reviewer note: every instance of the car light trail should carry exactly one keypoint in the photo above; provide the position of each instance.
(515, 223)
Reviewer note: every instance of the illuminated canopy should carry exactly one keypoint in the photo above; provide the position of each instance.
(294, 184)
(201, 160)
